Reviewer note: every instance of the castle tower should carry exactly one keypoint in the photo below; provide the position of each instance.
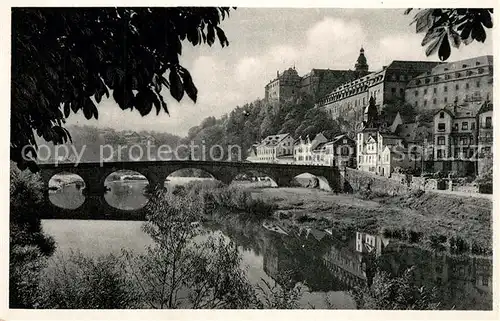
(361, 65)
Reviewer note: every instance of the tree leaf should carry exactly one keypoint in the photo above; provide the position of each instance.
(423, 19)
(189, 86)
(444, 49)
(222, 37)
(67, 109)
(176, 88)
(485, 18)
(143, 103)
(454, 38)
(210, 35)
(434, 45)
(432, 34)
(478, 32)
(75, 106)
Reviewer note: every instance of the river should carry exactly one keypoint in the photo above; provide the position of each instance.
(328, 264)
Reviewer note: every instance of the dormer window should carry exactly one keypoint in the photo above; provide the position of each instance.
(441, 114)
(464, 66)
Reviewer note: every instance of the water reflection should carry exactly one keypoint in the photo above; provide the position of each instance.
(325, 261)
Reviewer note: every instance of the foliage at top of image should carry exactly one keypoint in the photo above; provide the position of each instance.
(62, 57)
(450, 27)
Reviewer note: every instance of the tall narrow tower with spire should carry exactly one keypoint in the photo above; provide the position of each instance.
(361, 65)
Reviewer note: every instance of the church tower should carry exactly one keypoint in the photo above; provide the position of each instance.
(371, 119)
(361, 65)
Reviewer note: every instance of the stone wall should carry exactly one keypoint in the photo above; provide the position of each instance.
(356, 181)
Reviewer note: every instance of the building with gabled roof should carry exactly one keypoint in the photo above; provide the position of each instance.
(274, 146)
(463, 133)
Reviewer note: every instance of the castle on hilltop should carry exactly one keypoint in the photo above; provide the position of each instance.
(317, 83)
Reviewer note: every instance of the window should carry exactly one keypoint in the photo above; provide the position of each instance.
(465, 125)
(485, 281)
(425, 102)
(441, 140)
(441, 127)
(439, 153)
(434, 101)
(488, 122)
(445, 100)
(441, 115)
(416, 93)
(480, 70)
(393, 90)
(456, 126)
(457, 86)
(435, 90)
(478, 63)
(458, 75)
(446, 77)
(445, 89)
(472, 125)
(425, 91)
(467, 85)
(478, 84)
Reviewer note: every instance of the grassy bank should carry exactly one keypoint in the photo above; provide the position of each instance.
(444, 222)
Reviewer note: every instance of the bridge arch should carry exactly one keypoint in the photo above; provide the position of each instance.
(126, 190)
(65, 190)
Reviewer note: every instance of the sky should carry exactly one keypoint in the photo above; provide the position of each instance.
(264, 40)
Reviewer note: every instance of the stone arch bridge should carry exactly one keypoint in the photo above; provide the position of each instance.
(95, 174)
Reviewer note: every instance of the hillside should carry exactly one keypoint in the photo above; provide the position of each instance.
(250, 123)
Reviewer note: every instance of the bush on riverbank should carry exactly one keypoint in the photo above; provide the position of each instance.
(395, 293)
(216, 198)
(80, 282)
(29, 246)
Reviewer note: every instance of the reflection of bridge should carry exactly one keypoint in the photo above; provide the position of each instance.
(95, 174)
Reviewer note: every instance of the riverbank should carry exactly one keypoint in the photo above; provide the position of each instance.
(459, 224)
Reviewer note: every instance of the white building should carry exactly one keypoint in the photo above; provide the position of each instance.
(303, 148)
(274, 147)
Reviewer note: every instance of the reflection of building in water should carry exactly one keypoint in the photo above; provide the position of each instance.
(462, 281)
(313, 258)
(367, 243)
(484, 275)
(346, 267)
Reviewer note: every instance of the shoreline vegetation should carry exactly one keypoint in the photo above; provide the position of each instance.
(130, 280)
(449, 223)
